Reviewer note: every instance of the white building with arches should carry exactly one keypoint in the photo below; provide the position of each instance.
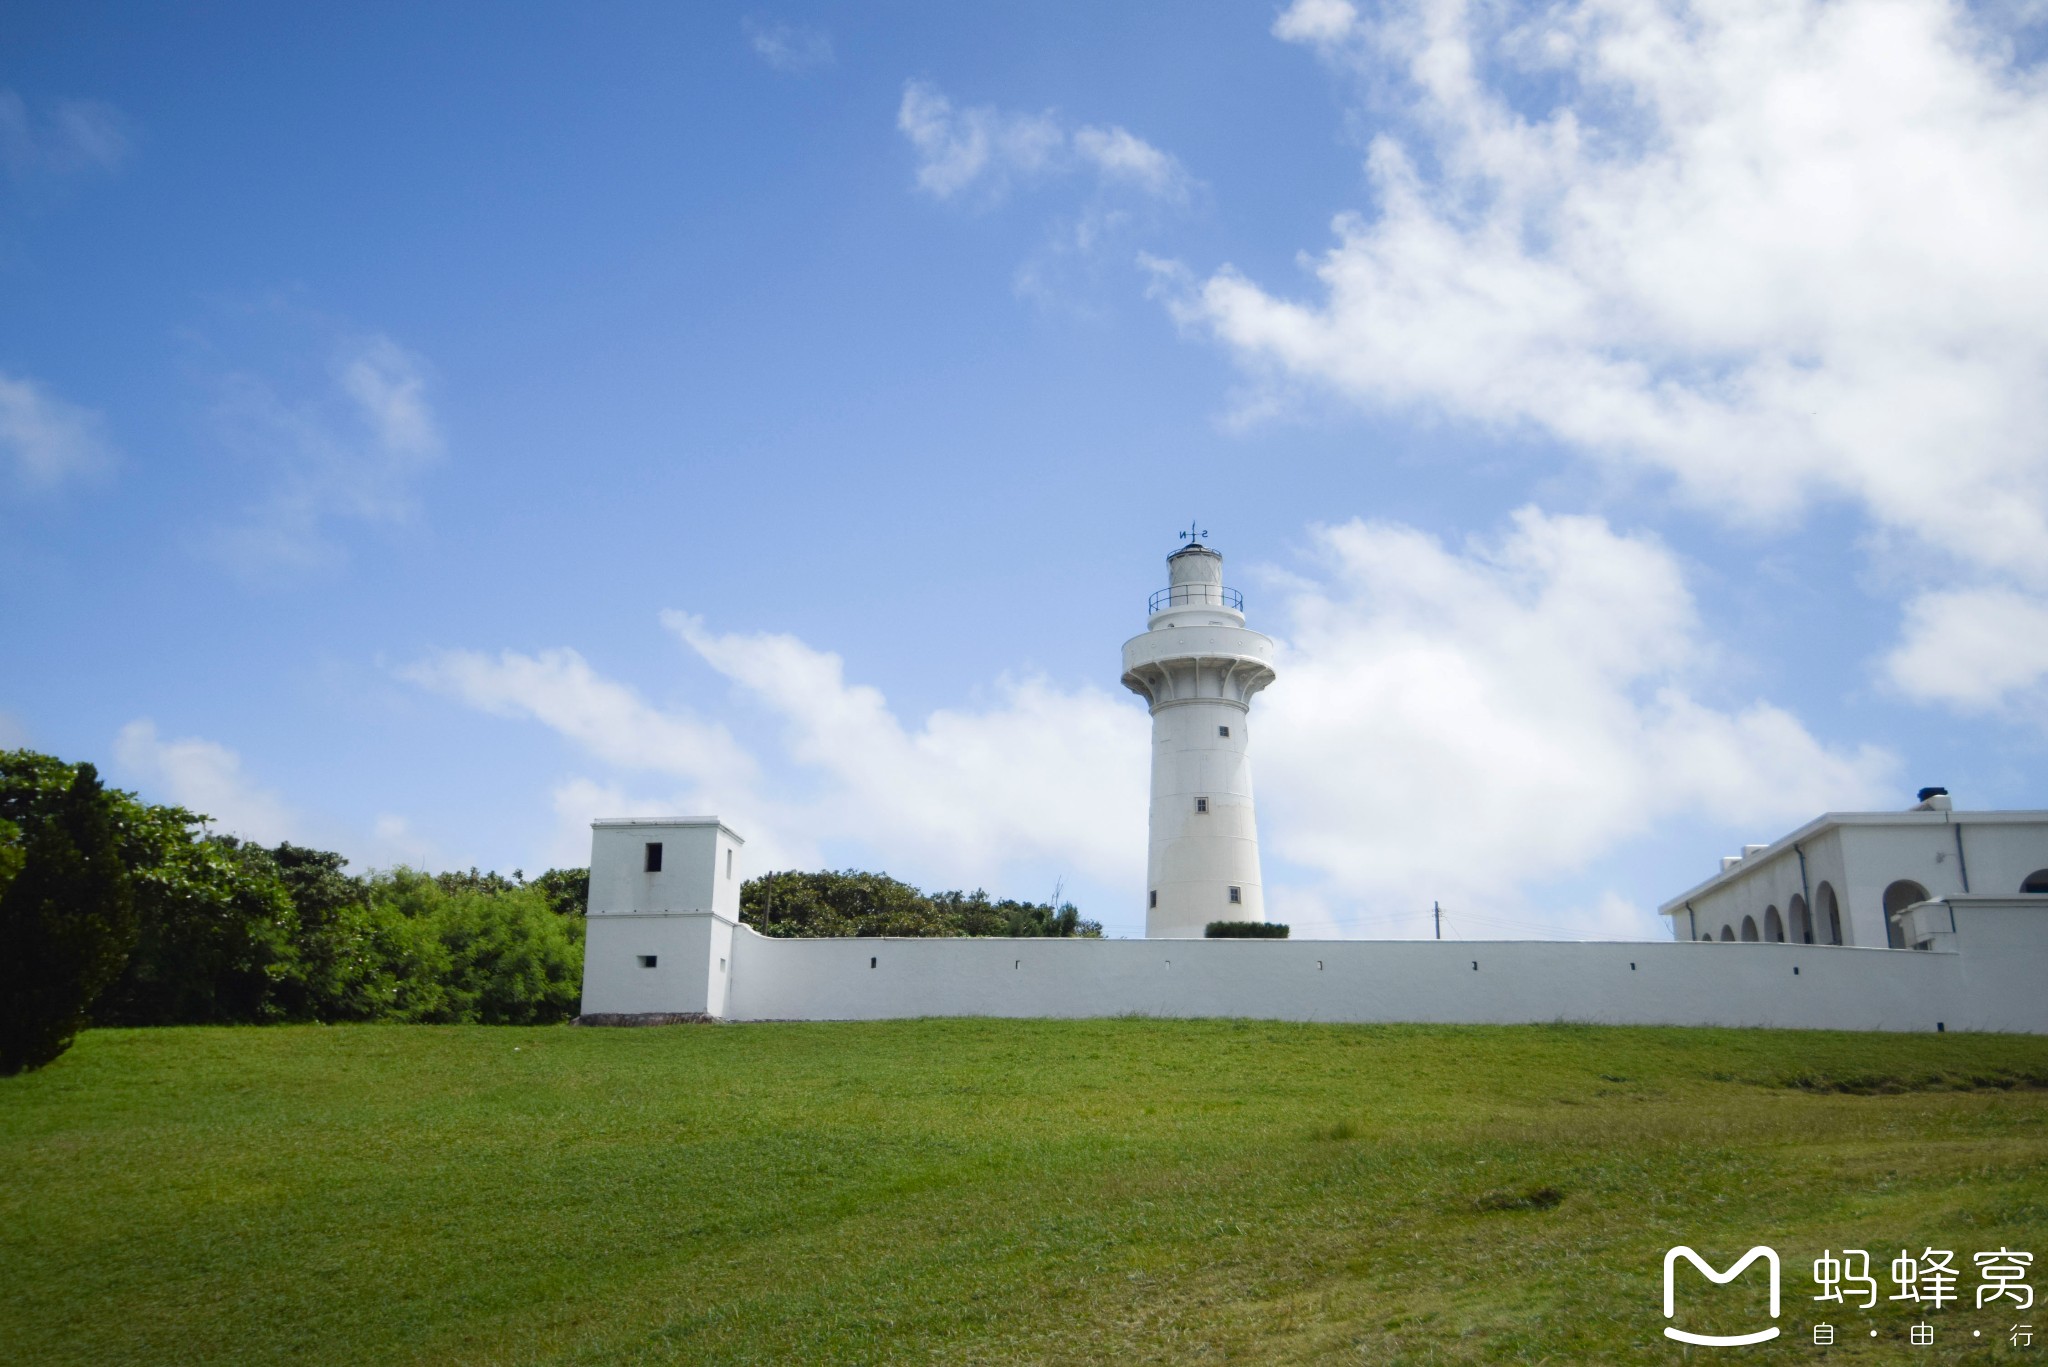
(1852, 878)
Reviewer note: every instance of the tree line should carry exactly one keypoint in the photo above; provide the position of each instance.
(853, 903)
(115, 911)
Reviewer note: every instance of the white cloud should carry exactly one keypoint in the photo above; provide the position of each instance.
(1971, 648)
(46, 440)
(987, 150)
(393, 841)
(207, 777)
(791, 48)
(957, 148)
(1316, 21)
(204, 777)
(1779, 253)
(351, 453)
(71, 138)
(1469, 724)
(388, 387)
(559, 689)
(581, 801)
(1122, 156)
(1040, 775)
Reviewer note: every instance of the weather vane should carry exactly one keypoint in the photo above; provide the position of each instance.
(1192, 535)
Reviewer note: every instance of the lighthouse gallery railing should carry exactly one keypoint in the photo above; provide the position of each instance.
(1196, 595)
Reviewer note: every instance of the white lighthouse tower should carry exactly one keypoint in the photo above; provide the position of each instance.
(1198, 667)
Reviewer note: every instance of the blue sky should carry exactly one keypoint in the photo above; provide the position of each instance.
(421, 432)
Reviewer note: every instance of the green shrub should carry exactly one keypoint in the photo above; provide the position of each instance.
(567, 890)
(1246, 930)
(346, 955)
(67, 915)
(853, 903)
(216, 932)
(118, 912)
(475, 954)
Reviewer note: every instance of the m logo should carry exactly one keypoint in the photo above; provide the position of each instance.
(1671, 1258)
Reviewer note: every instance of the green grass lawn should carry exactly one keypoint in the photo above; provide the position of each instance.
(992, 1191)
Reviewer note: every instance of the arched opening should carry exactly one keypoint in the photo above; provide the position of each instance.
(1774, 926)
(1897, 898)
(1828, 916)
(1749, 929)
(1727, 932)
(2037, 881)
(1801, 919)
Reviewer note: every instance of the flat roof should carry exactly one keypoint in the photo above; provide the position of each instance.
(668, 821)
(1828, 821)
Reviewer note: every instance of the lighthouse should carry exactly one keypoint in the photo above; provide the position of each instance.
(1198, 666)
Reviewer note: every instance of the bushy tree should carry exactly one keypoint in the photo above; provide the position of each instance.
(491, 883)
(12, 856)
(120, 912)
(341, 970)
(975, 913)
(472, 953)
(868, 904)
(216, 931)
(567, 890)
(842, 903)
(512, 960)
(67, 914)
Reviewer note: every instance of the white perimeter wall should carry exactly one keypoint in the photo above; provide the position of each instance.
(1991, 983)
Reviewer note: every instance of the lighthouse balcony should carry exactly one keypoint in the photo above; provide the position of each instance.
(1207, 642)
(1195, 596)
(1227, 664)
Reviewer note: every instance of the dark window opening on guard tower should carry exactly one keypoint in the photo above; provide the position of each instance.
(1223, 731)
(654, 856)
(1201, 804)
(1236, 896)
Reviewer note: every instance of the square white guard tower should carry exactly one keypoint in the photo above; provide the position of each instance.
(664, 898)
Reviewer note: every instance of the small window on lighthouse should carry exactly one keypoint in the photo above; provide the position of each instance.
(1236, 896)
(1155, 897)
(647, 961)
(728, 863)
(1201, 804)
(1223, 731)
(654, 856)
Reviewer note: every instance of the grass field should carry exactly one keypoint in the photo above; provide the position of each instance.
(990, 1191)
